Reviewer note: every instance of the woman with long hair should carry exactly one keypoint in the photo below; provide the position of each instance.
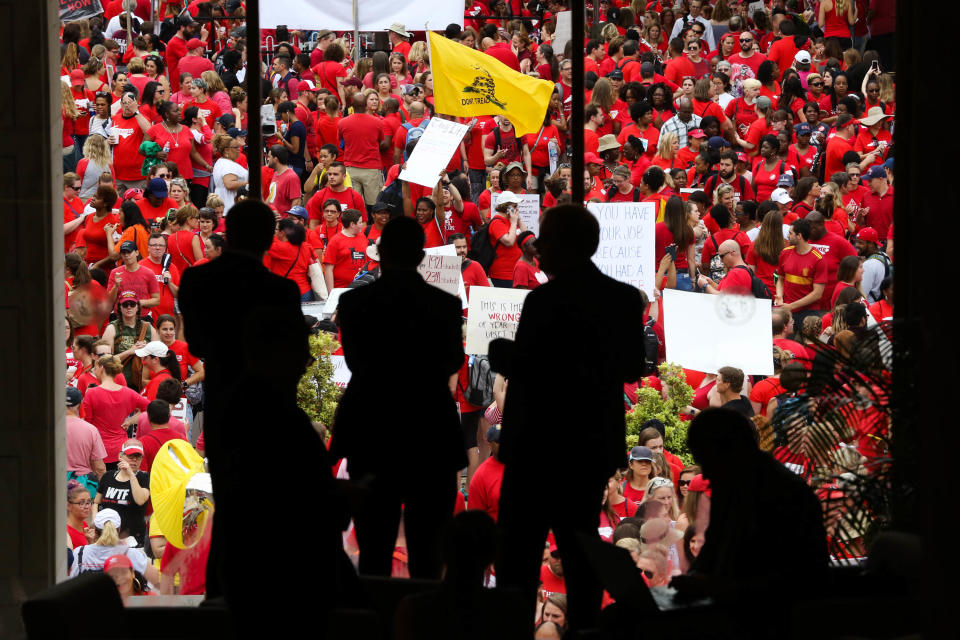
(661, 99)
(667, 148)
(199, 187)
(159, 363)
(96, 161)
(547, 66)
(399, 73)
(793, 98)
(615, 506)
(608, 100)
(661, 489)
(639, 473)
(191, 367)
(836, 218)
(108, 405)
(764, 254)
(849, 275)
(238, 103)
(805, 195)
(217, 91)
(185, 246)
(94, 556)
(69, 116)
(683, 482)
(676, 232)
(290, 256)
(135, 229)
(380, 63)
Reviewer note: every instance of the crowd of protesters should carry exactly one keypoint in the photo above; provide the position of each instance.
(762, 134)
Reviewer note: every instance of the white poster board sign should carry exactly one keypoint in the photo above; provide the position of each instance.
(494, 313)
(627, 233)
(442, 272)
(372, 15)
(529, 210)
(433, 152)
(704, 332)
(341, 374)
(333, 300)
(562, 33)
(450, 250)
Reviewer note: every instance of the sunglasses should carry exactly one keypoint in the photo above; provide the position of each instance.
(684, 483)
(746, 40)
(128, 304)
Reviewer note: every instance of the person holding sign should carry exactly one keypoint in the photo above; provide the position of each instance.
(504, 227)
(527, 273)
(421, 472)
(535, 429)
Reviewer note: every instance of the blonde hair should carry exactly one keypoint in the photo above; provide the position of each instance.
(888, 93)
(721, 191)
(609, 32)
(603, 94)
(220, 143)
(665, 148)
(66, 101)
(70, 59)
(136, 65)
(108, 536)
(186, 212)
(418, 52)
(214, 201)
(630, 544)
(752, 84)
(97, 151)
(649, 490)
(111, 365)
(214, 83)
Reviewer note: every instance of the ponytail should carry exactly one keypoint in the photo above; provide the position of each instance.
(108, 536)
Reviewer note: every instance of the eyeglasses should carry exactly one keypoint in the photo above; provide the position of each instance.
(165, 176)
(725, 253)
(128, 304)
(82, 503)
(75, 187)
(699, 33)
(815, 84)
(746, 40)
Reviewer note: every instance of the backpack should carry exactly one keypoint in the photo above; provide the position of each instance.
(481, 250)
(883, 259)
(392, 196)
(717, 270)
(651, 349)
(499, 141)
(414, 133)
(479, 389)
(613, 192)
(757, 288)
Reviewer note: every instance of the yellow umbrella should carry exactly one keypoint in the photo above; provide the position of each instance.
(174, 467)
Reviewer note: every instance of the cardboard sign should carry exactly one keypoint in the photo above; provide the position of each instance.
(563, 31)
(341, 374)
(529, 210)
(442, 272)
(704, 332)
(494, 313)
(432, 154)
(627, 233)
(450, 250)
(71, 10)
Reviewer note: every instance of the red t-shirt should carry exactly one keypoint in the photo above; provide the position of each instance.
(71, 211)
(525, 276)
(679, 68)
(166, 297)
(473, 276)
(126, 153)
(833, 248)
(180, 248)
(151, 213)
(284, 189)
(552, 583)
(361, 134)
(208, 110)
(880, 215)
(463, 222)
(348, 199)
(764, 391)
(290, 261)
(485, 487)
(176, 49)
(347, 254)
(753, 62)
(766, 181)
(636, 495)
(737, 280)
(107, 410)
(143, 281)
(709, 250)
(506, 260)
(150, 391)
(763, 270)
(180, 145)
(800, 272)
(799, 351)
(836, 147)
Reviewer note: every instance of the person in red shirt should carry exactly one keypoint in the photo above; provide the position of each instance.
(158, 413)
(284, 187)
(639, 472)
(747, 61)
(73, 213)
(505, 225)
(878, 204)
(729, 230)
(679, 66)
(346, 252)
(168, 279)
(132, 277)
(363, 141)
(177, 48)
(400, 40)
(194, 62)
(738, 279)
(128, 129)
(485, 484)
(319, 236)
(782, 327)
(473, 274)
(834, 248)
(802, 273)
(335, 190)
(426, 215)
(840, 142)
(207, 109)
(527, 273)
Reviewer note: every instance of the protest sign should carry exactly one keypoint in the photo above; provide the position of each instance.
(450, 250)
(704, 332)
(563, 32)
(372, 15)
(442, 272)
(626, 251)
(341, 374)
(72, 10)
(333, 300)
(433, 152)
(494, 313)
(529, 210)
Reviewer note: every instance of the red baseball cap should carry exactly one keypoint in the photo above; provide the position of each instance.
(305, 85)
(76, 77)
(133, 447)
(868, 234)
(117, 561)
(194, 43)
(697, 133)
(591, 158)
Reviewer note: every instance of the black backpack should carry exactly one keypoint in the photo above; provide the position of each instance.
(392, 196)
(757, 288)
(480, 248)
(613, 192)
(651, 349)
(479, 389)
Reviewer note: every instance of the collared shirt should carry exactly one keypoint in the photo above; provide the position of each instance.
(679, 25)
(681, 128)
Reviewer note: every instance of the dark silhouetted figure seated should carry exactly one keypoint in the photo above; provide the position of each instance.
(463, 607)
(248, 326)
(397, 423)
(577, 343)
(766, 544)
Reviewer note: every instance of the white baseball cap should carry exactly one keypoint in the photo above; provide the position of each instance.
(155, 348)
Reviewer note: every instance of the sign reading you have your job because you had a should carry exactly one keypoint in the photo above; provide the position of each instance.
(626, 250)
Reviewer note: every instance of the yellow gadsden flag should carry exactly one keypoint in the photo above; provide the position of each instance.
(470, 83)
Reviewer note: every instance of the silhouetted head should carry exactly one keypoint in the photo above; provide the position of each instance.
(401, 244)
(722, 441)
(250, 227)
(469, 546)
(569, 236)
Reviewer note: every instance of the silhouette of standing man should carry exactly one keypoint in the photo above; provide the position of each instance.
(577, 343)
(397, 423)
(248, 326)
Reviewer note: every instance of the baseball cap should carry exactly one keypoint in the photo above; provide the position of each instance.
(888, 164)
(718, 142)
(641, 453)
(156, 349)
(74, 397)
(157, 187)
(76, 77)
(616, 74)
(786, 180)
(803, 129)
(802, 57)
(493, 433)
(867, 234)
(132, 447)
(876, 172)
(106, 515)
(233, 132)
(194, 43)
(763, 102)
(133, 193)
(298, 211)
(742, 157)
(591, 158)
(128, 245)
(117, 561)
(508, 197)
(780, 196)
(127, 295)
(305, 85)
(227, 120)
(696, 133)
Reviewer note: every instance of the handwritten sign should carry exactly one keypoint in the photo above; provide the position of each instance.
(442, 272)
(626, 251)
(529, 210)
(742, 321)
(450, 250)
(494, 313)
(341, 374)
(71, 10)
(433, 152)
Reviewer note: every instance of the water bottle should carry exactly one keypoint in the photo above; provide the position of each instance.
(553, 149)
(166, 147)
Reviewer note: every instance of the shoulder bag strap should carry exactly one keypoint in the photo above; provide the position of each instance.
(292, 264)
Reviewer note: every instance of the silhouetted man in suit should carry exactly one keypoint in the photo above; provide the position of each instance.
(248, 326)
(397, 423)
(577, 343)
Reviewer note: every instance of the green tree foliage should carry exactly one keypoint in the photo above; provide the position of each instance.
(317, 395)
(665, 408)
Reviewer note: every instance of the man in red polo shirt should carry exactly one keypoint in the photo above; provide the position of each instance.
(336, 190)
(346, 253)
(802, 273)
(878, 204)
